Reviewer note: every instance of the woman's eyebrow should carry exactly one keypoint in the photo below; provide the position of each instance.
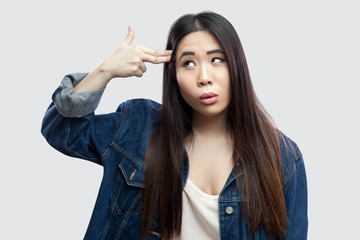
(215, 51)
(186, 53)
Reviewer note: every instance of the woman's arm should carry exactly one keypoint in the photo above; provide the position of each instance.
(70, 125)
(126, 61)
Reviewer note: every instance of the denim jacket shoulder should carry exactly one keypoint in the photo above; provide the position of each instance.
(140, 118)
(295, 189)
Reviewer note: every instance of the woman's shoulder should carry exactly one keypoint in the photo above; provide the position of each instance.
(290, 153)
(140, 115)
(140, 119)
(288, 146)
(140, 105)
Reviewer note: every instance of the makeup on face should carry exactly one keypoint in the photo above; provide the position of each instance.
(208, 98)
(202, 73)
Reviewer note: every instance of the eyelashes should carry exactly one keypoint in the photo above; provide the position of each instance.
(217, 60)
(190, 64)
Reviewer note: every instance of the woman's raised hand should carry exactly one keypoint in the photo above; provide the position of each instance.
(128, 60)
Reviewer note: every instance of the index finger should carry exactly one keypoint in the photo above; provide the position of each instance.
(155, 52)
(156, 58)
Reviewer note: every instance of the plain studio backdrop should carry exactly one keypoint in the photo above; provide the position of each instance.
(304, 62)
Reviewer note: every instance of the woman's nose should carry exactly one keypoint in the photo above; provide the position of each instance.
(204, 76)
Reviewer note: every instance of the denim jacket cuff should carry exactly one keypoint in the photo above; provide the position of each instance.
(75, 105)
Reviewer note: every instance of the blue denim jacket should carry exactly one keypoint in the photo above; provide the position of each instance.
(118, 142)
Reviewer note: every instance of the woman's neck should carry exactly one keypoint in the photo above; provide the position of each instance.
(209, 126)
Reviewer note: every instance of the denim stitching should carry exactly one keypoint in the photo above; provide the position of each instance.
(296, 156)
(118, 210)
(131, 182)
(151, 104)
(125, 112)
(290, 175)
(64, 144)
(104, 155)
(49, 110)
(76, 102)
(72, 104)
(66, 84)
(137, 162)
(113, 207)
(67, 133)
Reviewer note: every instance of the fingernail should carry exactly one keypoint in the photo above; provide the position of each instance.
(170, 52)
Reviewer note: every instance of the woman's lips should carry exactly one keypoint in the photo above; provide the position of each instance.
(208, 98)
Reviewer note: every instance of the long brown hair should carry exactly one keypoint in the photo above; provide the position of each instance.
(256, 143)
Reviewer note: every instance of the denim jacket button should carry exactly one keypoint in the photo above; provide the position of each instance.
(229, 210)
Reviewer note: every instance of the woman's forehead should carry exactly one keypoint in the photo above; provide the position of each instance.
(197, 42)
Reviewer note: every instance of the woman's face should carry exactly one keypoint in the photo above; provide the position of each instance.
(202, 73)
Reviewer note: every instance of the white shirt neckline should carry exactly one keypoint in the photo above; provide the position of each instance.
(202, 193)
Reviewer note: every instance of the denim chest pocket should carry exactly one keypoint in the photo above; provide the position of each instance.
(128, 188)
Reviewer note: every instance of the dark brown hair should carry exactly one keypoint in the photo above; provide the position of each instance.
(256, 143)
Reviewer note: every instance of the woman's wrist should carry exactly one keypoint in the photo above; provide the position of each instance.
(96, 80)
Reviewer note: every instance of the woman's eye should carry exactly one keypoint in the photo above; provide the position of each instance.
(217, 60)
(189, 64)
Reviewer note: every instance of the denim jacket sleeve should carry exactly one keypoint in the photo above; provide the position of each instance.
(75, 105)
(295, 192)
(70, 125)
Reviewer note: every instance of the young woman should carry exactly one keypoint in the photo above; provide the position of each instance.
(206, 164)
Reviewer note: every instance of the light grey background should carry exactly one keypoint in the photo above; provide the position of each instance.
(304, 62)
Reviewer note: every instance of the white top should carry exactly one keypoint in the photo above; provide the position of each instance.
(200, 216)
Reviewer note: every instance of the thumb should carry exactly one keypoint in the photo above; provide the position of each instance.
(129, 37)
